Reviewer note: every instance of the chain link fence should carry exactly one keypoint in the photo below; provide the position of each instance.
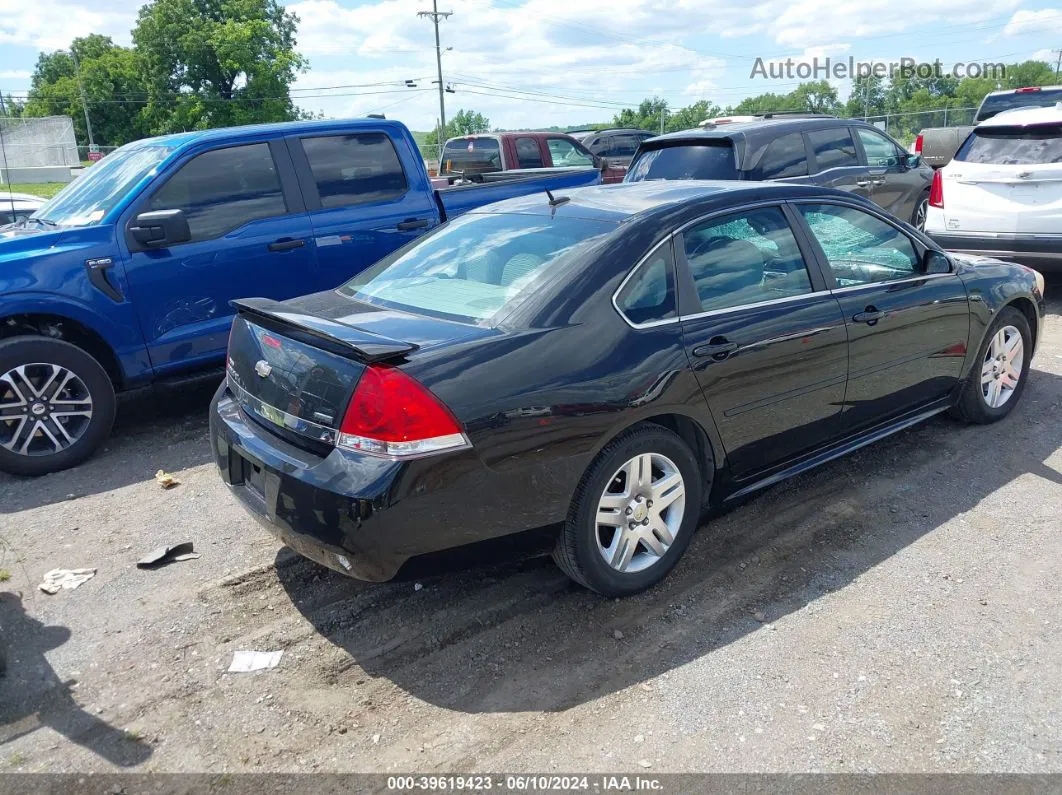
(905, 126)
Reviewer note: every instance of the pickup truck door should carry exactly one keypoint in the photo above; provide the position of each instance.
(250, 236)
(365, 199)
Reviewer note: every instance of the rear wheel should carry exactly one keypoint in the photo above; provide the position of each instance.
(56, 405)
(633, 514)
(918, 219)
(998, 376)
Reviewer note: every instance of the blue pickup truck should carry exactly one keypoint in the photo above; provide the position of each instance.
(124, 278)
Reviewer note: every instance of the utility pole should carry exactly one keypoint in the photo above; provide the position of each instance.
(436, 15)
(84, 102)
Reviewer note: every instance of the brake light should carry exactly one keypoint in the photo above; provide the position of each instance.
(918, 144)
(1027, 90)
(936, 191)
(394, 416)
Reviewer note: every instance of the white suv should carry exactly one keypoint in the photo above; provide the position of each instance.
(1001, 196)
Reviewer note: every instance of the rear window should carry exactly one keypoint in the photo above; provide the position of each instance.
(1025, 99)
(472, 155)
(707, 160)
(476, 265)
(1013, 146)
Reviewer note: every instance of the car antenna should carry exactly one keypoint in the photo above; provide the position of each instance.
(556, 201)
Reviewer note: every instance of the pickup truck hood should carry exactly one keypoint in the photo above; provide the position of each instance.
(20, 243)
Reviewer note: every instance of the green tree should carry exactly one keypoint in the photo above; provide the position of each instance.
(214, 63)
(464, 122)
(867, 97)
(10, 107)
(690, 116)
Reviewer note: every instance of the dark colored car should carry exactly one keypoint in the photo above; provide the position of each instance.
(610, 363)
(618, 145)
(485, 153)
(818, 150)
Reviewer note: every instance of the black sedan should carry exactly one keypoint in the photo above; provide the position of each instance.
(605, 365)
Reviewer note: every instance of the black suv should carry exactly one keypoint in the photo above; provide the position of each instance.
(618, 145)
(836, 153)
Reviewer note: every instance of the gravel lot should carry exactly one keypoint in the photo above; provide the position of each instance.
(897, 610)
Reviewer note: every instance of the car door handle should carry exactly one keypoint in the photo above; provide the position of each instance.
(286, 244)
(865, 183)
(412, 223)
(717, 350)
(870, 316)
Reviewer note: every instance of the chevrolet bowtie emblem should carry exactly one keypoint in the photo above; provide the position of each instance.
(263, 368)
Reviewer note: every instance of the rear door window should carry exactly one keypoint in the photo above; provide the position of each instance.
(784, 157)
(471, 156)
(528, 155)
(354, 169)
(708, 160)
(833, 148)
(1013, 146)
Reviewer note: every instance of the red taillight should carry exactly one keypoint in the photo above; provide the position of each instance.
(918, 144)
(936, 191)
(393, 415)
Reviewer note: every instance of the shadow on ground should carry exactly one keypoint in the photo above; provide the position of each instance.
(519, 637)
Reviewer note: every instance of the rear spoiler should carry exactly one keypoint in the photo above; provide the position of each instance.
(365, 345)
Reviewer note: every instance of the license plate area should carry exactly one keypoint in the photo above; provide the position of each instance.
(252, 476)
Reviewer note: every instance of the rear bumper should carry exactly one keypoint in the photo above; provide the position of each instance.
(1042, 252)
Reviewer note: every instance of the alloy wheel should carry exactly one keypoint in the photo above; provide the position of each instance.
(920, 215)
(640, 512)
(44, 409)
(1002, 366)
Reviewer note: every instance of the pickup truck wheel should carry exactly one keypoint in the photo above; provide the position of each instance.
(56, 405)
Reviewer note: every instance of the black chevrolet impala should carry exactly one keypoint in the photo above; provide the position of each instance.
(606, 364)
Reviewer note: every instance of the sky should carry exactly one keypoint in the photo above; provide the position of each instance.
(538, 63)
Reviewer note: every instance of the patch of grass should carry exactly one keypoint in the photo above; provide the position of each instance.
(5, 575)
(15, 759)
(43, 189)
(132, 735)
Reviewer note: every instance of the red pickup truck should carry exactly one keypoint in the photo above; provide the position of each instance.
(483, 153)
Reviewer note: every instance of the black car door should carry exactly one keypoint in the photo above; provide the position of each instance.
(895, 187)
(835, 161)
(907, 329)
(764, 336)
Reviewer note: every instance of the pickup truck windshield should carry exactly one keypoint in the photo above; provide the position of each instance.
(714, 160)
(1013, 146)
(86, 200)
(474, 266)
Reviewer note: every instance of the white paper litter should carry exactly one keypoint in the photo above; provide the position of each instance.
(65, 579)
(244, 662)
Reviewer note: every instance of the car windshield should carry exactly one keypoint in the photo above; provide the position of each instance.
(1013, 146)
(472, 155)
(993, 104)
(476, 265)
(88, 199)
(708, 160)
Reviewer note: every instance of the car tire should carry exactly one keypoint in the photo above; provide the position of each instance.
(56, 405)
(921, 210)
(989, 393)
(648, 540)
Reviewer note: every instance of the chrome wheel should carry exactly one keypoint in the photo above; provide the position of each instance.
(640, 512)
(44, 409)
(1002, 366)
(920, 215)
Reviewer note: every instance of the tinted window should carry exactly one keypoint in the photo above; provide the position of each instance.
(1026, 99)
(223, 189)
(624, 145)
(784, 157)
(650, 294)
(880, 150)
(1013, 146)
(350, 169)
(475, 265)
(565, 153)
(714, 160)
(860, 247)
(833, 148)
(471, 156)
(528, 154)
(745, 258)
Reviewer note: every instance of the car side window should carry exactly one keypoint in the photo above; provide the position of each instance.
(650, 294)
(861, 248)
(833, 148)
(223, 189)
(565, 153)
(745, 258)
(785, 157)
(880, 150)
(623, 145)
(354, 169)
(527, 153)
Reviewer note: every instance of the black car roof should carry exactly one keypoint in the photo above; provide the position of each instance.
(648, 200)
(752, 132)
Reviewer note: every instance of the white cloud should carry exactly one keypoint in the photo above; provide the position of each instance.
(1024, 22)
(52, 25)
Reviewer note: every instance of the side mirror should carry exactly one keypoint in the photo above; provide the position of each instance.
(934, 261)
(913, 161)
(160, 228)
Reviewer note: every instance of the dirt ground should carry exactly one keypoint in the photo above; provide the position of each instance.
(896, 610)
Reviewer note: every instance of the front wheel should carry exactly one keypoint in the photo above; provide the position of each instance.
(56, 405)
(997, 379)
(921, 210)
(633, 513)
